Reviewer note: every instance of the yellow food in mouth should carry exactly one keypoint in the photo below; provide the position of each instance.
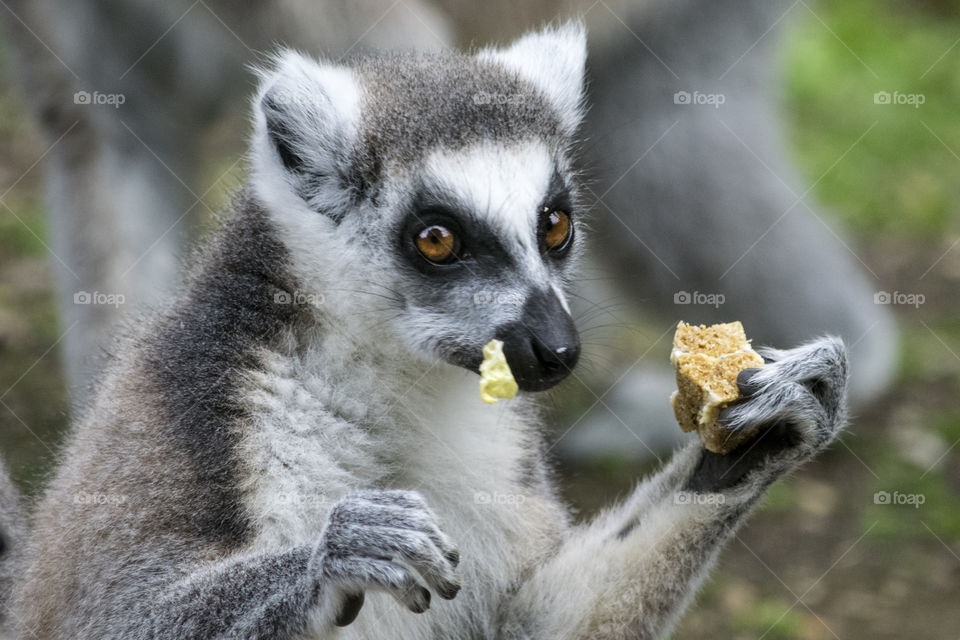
(496, 381)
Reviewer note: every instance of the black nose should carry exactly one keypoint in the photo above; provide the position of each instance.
(555, 360)
(543, 346)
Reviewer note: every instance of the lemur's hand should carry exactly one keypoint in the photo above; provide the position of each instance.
(367, 531)
(796, 403)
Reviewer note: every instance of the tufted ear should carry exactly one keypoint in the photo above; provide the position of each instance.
(305, 120)
(553, 60)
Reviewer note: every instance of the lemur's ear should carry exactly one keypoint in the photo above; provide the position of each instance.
(553, 60)
(305, 117)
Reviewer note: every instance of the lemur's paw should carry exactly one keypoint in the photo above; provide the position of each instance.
(371, 539)
(796, 404)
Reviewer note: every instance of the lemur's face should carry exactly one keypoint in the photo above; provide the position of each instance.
(437, 190)
(483, 245)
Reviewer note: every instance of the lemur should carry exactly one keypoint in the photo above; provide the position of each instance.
(296, 448)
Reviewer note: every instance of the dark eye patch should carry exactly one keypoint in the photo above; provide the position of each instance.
(480, 247)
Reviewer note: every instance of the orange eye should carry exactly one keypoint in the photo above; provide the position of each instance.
(556, 229)
(438, 244)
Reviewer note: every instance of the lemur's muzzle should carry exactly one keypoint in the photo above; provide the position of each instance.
(543, 346)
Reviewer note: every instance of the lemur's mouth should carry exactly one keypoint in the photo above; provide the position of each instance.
(530, 375)
(542, 347)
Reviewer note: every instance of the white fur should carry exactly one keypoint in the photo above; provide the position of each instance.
(311, 443)
(324, 100)
(553, 60)
(504, 184)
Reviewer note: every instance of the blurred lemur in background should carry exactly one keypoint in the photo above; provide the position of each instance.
(270, 462)
(690, 197)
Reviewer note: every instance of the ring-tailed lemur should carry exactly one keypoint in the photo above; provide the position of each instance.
(298, 447)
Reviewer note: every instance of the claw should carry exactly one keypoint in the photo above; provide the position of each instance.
(422, 602)
(350, 609)
(747, 388)
(453, 557)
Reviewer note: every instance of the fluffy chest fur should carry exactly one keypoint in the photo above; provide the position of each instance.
(312, 438)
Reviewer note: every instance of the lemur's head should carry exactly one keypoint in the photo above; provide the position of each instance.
(432, 195)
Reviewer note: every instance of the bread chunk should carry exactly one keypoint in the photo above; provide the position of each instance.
(707, 362)
(496, 379)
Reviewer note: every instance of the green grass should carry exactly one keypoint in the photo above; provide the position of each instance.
(939, 510)
(938, 506)
(21, 234)
(771, 617)
(902, 176)
(948, 426)
(781, 497)
(929, 351)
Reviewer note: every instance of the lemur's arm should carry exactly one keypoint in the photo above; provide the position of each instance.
(278, 595)
(631, 572)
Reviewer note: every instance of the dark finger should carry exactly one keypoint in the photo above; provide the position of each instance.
(350, 609)
(744, 384)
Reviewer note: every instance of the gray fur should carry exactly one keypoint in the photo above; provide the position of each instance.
(470, 100)
(13, 539)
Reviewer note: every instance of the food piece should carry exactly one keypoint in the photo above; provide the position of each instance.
(496, 381)
(707, 361)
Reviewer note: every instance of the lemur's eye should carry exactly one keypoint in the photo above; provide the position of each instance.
(438, 244)
(556, 229)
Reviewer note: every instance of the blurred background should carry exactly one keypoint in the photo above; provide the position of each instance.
(792, 165)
